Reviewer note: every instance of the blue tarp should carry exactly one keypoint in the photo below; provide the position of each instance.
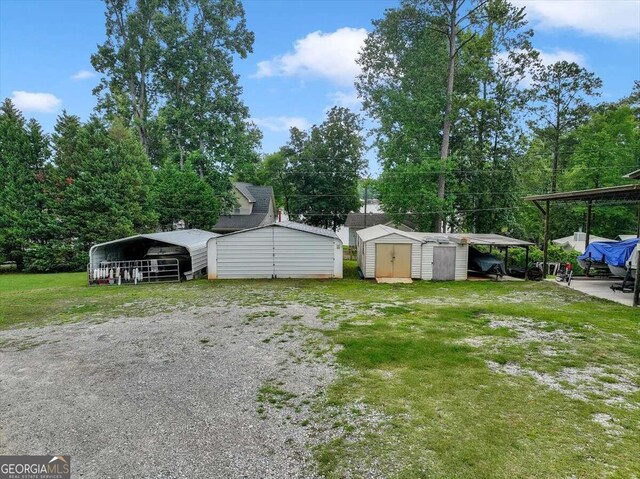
(615, 254)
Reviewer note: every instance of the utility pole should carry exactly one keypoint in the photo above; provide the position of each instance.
(366, 200)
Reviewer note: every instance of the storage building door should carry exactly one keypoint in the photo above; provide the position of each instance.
(444, 263)
(393, 260)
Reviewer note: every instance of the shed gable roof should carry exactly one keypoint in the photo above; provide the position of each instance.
(290, 225)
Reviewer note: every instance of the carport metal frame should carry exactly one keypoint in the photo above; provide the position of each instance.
(492, 240)
(613, 193)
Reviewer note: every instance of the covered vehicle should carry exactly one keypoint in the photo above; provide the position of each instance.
(485, 262)
(161, 253)
(616, 255)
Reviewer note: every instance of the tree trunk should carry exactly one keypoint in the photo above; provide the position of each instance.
(446, 128)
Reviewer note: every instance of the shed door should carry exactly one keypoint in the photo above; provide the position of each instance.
(393, 260)
(444, 263)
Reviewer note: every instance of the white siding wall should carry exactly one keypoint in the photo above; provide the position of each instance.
(279, 251)
(462, 252)
(245, 255)
(198, 258)
(245, 207)
(462, 260)
(370, 254)
(302, 255)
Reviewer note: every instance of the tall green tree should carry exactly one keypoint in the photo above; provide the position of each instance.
(274, 171)
(104, 180)
(181, 195)
(430, 66)
(26, 217)
(560, 102)
(324, 167)
(168, 69)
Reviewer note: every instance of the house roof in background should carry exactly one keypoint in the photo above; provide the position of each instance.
(262, 200)
(357, 220)
(626, 237)
(244, 190)
(263, 197)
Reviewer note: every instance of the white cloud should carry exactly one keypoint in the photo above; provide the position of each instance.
(30, 101)
(281, 123)
(347, 99)
(331, 56)
(83, 75)
(551, 57)
(611, 18)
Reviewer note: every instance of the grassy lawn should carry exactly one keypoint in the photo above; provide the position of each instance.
(443, 380)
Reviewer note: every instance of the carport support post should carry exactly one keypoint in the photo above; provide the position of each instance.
(545, 255)
(506, 259)
(588, 234)
(636, 284)
(526, 262)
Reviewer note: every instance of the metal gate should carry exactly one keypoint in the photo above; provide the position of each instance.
(134, 272)
(444, 263)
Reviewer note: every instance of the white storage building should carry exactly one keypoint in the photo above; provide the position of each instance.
(278, 250)
(385, 252)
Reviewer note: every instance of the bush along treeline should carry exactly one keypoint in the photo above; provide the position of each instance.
(87, 183)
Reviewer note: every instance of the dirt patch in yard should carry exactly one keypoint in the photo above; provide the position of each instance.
(590, 383)
(198, 393)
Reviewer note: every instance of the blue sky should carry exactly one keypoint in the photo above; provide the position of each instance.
(303, 54)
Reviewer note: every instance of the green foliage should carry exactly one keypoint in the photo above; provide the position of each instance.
(273, 171)
(180, 194)
(560, 94)
(25, 183)
(405, 64)
(167, 69)
(104, 182)
(324, 166)
(556, 255)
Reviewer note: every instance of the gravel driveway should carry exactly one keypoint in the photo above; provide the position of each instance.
(211, 392)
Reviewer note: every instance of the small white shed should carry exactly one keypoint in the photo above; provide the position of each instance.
(278, 250)
(385, 252)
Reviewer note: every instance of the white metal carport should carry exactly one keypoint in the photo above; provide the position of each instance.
(134, 248)
(278, 250)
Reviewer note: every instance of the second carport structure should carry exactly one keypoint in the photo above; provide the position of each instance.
(278, 250)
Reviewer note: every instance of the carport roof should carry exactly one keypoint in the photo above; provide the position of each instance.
(490, 239)
(622, 192)
(187, 238)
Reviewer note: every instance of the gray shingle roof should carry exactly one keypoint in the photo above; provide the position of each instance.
(262, 196)
(356, 220)
(242, 188)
